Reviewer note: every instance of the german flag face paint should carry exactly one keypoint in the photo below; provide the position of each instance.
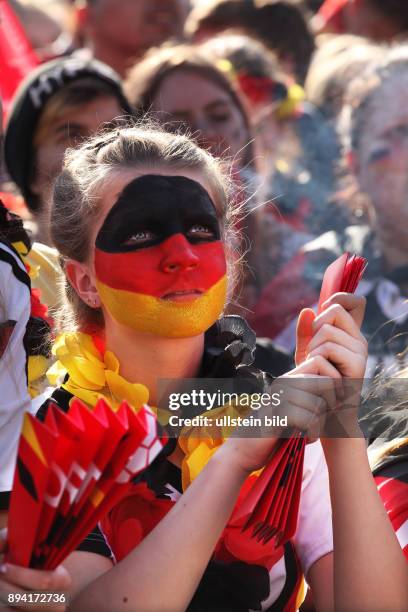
(159, 260)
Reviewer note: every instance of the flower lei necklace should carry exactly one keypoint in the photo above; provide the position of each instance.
(93, 374)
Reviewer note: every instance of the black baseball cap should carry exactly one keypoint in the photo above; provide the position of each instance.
(27, 105)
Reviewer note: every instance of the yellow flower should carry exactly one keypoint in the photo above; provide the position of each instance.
(36, 370)
(92, 377)
(200, 443)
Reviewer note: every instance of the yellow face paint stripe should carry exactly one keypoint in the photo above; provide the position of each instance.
(165, 318)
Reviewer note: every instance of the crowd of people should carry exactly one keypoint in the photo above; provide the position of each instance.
(175, 178)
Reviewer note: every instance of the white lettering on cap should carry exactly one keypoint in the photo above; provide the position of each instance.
(44, 86)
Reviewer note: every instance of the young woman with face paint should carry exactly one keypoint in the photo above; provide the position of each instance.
(141, 220)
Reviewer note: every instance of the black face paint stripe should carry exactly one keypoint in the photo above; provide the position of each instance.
(159, 206)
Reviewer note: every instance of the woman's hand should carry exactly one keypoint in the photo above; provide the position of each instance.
(307, 394)
(19, 585)
(335, 335)
(329, 347)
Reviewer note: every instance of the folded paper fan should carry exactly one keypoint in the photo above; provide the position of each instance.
(344, 274)
(271, 507)
(71, 470)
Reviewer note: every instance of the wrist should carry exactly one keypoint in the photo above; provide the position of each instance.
(244, 455)
(337, 450)
(229, 454)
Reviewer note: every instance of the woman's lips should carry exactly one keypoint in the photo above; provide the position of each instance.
(182, 296)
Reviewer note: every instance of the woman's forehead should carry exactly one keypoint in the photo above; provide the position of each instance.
(118, 182)
(173, 93)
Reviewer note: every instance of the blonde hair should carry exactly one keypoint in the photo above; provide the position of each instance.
(89, 168)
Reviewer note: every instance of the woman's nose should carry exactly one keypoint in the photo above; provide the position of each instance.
(178, 255)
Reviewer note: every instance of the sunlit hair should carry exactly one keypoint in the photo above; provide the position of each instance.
(89, 169)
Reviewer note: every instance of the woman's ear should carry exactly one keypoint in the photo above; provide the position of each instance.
(81, 279)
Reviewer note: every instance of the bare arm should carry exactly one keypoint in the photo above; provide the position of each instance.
(369, 566)
(321, 581)
(156, 571)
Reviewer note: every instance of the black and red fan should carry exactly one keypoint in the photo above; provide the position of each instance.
(71, 470)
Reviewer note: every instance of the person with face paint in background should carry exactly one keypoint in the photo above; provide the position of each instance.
(374, 127)
(128, 194)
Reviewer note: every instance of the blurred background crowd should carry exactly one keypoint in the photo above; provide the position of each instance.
(305, 101)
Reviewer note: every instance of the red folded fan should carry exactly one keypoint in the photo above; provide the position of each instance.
(344, 274)
(272, 505)
(70, 471)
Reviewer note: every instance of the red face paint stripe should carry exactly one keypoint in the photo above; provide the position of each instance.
(143, 271)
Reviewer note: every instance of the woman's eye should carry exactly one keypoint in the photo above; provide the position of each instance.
(140, 237)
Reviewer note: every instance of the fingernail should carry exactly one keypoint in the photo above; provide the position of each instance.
(3, 568)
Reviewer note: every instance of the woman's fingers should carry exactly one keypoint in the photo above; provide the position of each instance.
(354, 304)
(16, 580)
(349, 363)
(336, 315)
(315, 365)
(310, 392)
(320, 377)
(7, 591)
(36, 580)
(24, 584)
(304, 334)
(329, 333)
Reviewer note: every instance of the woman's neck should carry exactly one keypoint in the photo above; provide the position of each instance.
(146, 359)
